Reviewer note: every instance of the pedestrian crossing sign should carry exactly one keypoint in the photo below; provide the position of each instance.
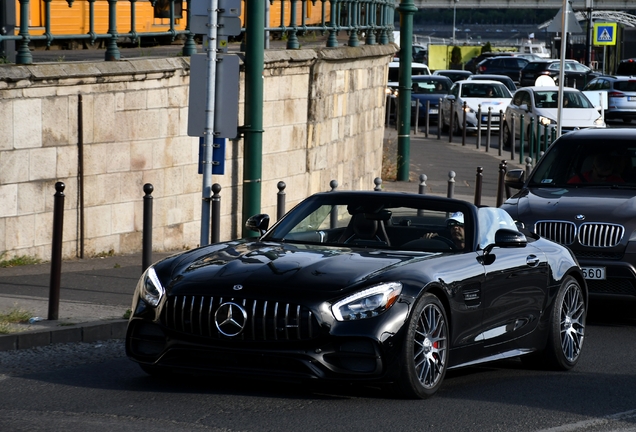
(604, 33)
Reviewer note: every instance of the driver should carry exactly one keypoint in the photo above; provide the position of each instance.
(455, 225)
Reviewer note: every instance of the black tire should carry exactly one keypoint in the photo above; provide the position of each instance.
(507, 136)
(425, 351)
(567, 330)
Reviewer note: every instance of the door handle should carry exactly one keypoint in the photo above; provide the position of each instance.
(532, 260)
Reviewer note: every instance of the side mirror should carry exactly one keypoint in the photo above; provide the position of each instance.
(507, 238)
(524, 107)
(258, 223)
(450, 97)
(515, 178)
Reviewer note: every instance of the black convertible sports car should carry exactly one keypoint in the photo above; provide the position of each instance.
(377, 287)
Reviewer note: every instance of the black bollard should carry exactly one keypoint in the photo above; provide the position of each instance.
(280, 200)
(450, 192)
(464, 108)
(146, 234)
(427, 121)
(56, 252)
(215, 230)
(479, 178)
(500, 184)
(451, 121)
(478, 142)
(439, 120)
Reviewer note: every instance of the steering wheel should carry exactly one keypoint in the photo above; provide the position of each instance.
(446, 241)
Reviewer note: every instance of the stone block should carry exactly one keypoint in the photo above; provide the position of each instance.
(27, 133)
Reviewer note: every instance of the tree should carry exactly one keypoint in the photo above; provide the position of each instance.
(456, 58)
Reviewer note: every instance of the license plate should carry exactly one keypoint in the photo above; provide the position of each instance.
(492, 118)
(597, 273)
(631, 98)
(433, 111)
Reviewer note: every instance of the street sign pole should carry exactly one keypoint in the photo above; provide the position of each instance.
(208, 134)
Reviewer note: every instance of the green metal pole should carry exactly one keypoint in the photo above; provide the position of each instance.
(24, 53)
(253, 126)
(112, 51)
(407, 9)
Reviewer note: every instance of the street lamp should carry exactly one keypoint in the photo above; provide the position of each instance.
(454, 15)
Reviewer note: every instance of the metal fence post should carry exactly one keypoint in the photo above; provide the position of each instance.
(216, 213)
(280, 200)
(521, 139)
(416, 123)
(479, 178)
(451, 184)
(146, 235)
(531, 137)
(56, 252)
(333, 216)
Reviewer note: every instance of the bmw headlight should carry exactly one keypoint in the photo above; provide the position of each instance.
(368, 303)
(546, 121)
(151, 289)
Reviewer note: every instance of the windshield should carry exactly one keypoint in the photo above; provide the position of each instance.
(431, 86)
(377, 221)
(485, 90)
(550, 99)
(586, 163)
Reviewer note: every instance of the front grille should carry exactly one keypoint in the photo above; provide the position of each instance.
(593, 234)
(600, 234)
(557, 231)
(611, 286)
(266, 320)
(598, 254)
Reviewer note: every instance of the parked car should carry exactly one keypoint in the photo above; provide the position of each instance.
(394, 72)
(476, 94)
(621, 96)
(428, 88)
(541, 105)
(389, 288)
(471, 65)
(505, 80)
(454, 75)
(576, 74)
(627, 67)
(505, 65)
(581, 195)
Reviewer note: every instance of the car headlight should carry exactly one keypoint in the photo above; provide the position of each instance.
(368, 303)
(151, 289)
(599, 122)
(469, 110)
(546, 121)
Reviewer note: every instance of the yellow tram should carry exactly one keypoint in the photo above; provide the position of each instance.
(75, 20)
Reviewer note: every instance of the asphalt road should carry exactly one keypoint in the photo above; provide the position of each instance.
(94, 387)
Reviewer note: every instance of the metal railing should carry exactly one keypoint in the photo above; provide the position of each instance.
(370, 20)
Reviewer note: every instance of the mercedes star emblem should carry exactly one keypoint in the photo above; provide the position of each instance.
(230, 319)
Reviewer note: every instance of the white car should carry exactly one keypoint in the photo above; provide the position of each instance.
(394, 72)
(541, 105)
(478, 95)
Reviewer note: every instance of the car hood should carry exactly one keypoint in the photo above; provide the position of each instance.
(572, 117)
(277, 267)
(569, 204)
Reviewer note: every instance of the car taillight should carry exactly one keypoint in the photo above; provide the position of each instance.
(482, 68)
(615, 94)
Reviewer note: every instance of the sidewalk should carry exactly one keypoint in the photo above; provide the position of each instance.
(96, 293)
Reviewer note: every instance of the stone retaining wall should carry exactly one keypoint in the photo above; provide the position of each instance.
(323, 119)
